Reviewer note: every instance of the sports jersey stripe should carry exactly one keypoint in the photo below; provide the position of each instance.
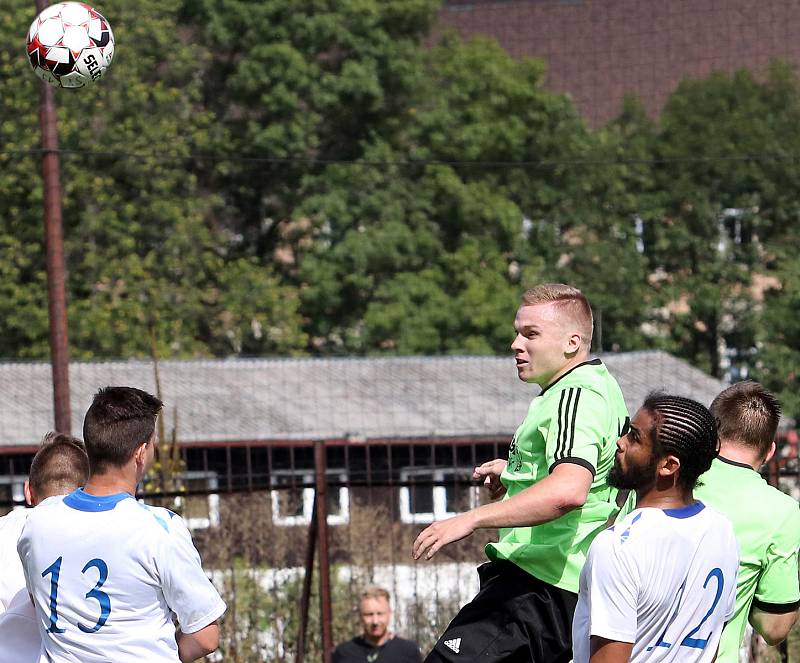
(562, 408)
(572, 421)
(564, 428)
(567, 414)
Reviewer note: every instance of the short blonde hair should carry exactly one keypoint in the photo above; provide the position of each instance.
(570, 301)
(375, 592)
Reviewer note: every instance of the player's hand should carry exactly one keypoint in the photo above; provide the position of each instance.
(490, 473)
(440, 533)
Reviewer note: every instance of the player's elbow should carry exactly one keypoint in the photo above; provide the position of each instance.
(192, 646)
(569, 501)
(774, 637)
(774, 628)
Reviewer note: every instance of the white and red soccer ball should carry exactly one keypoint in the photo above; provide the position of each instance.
(70, 44)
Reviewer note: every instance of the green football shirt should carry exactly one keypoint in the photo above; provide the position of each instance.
(767, 526)
(576, 419)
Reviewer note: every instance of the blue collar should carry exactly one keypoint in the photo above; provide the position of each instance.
(83, 501)
(686, 511)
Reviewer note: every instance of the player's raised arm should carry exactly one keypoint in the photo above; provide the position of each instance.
(554, 496)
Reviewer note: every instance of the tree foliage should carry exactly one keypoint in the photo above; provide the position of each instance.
(260, 177)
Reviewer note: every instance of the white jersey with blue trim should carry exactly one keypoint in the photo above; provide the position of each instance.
(662, 579)
(106, 575)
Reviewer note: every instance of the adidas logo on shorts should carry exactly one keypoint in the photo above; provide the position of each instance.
(453, 645)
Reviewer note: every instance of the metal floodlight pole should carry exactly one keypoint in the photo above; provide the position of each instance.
(326, 619)
(54, 241)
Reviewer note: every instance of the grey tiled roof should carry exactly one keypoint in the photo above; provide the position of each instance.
(286, 399)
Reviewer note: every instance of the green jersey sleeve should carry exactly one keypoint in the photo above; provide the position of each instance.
(579, 429)
(777, 589)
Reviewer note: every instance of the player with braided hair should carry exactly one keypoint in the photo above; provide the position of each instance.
(660, 584)
(684, 427)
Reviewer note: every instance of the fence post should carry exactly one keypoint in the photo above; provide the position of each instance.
(326, 620)
(305, 597)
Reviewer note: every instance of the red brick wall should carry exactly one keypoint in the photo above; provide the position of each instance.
(598, 51)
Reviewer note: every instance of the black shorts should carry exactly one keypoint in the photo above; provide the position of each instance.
(514, 618)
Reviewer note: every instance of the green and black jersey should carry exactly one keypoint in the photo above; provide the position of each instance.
(576, 419)
(767, 526)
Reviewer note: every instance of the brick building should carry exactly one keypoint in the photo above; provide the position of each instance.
(598, 52)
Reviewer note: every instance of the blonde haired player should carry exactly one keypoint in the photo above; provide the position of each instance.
(556, 496)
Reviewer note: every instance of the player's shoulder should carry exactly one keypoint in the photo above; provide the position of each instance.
(781, 505)
(591, 374)
(160, 518)
(649, 525)
(47, 508)
(717, 521)
(14, 520)
(588, 387)
(784, 515)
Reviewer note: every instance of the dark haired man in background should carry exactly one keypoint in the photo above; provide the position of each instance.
(138, 562)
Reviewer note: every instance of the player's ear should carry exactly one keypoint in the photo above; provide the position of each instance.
(770, 453)
(669, 466)
(29, 497)
(572, 343)
(140, 455)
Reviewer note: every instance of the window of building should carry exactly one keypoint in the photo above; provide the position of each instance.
(11, 491)
(433, 494)
(293, 498)
(200, 511)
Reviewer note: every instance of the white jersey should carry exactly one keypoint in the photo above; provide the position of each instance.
(12, 578)
(662, 579)
(106, 574)
(20, 641)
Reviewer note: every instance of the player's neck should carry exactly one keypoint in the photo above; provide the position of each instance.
(672, 497)
(740, 454)
(111, 482)
(577, 360)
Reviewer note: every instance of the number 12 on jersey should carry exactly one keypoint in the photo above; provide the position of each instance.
(103, 599)
(689, 640)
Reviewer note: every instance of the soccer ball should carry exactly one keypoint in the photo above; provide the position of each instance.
(70, 44)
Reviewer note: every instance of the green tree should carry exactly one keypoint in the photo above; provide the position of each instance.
(295, 83)
(723, 191)
(145, 254)
(479, 194)
(778, 358)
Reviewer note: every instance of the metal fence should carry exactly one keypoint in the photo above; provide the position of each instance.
(291, 534)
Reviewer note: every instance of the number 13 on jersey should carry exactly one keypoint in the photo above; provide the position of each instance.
(103, 599)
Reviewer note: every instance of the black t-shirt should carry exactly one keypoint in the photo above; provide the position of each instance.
(395, 650)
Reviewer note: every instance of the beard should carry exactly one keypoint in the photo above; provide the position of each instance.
(633, 478)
